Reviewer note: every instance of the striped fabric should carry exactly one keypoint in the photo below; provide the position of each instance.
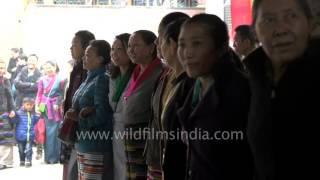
(154, 174)
(136, 164)
(94, 166)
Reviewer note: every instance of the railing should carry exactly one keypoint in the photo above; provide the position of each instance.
(148, 3)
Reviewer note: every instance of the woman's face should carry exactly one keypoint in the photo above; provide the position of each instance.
(138, 51)
(196, 50)
(119, 55)
(77, 51)
(283, 29)
(92, 60)
(169, 51)
(32, 62)
(49, 69)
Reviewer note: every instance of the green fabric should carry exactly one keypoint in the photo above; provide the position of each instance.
(28, 127)
(121, 83)
(196, 94)
(42, 107)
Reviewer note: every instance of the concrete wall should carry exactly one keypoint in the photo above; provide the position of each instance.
(10, 26)
(47, 31)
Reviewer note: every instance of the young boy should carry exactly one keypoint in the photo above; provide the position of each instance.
(25, 121)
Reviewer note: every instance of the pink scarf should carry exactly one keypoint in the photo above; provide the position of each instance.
(136, 80)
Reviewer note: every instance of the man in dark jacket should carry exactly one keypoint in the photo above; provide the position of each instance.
(26, 82)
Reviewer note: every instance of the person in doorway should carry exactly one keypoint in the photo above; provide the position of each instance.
(13, 61)
(244, 41)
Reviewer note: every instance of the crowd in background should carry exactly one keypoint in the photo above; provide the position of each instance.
(184, 80)
(31, 109)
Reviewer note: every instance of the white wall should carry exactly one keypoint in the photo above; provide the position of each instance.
(10, 28)
(215, 7)
(47, 31)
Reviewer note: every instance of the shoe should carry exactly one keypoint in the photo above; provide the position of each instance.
(22, 163)
(51, 162)
(2, 166)
(39, 156)
(28, 164)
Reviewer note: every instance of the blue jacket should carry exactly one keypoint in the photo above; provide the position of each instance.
(93, 92)
(25, 129)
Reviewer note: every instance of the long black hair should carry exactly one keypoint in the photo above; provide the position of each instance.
(114, 70)
(102, 49)
(148, 38)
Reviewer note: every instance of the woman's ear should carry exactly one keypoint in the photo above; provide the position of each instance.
(152, 49)
(173, 45)
(101, 59)
(314, 27)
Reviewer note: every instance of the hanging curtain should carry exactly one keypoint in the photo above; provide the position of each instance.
(240, 13)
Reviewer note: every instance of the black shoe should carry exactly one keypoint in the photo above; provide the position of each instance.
(22, 163)
(2, 166)
(28, 164)
(52, 162)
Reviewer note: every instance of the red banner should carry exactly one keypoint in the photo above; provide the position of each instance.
(240, 13)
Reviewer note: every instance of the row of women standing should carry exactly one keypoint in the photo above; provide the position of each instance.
(137, 78)
(198, 86)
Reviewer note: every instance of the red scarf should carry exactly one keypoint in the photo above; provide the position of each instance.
(136, 80)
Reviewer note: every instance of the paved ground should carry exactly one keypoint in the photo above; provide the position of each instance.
(38, 171)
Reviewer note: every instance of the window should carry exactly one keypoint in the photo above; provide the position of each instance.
(75, 2)
(148, 3)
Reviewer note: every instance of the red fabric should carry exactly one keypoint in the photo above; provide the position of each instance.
(67, 131)
(39, 130)
(240, 13)
(50, 81)
(136, 80)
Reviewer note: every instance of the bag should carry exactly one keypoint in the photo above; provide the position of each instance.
(42, 107)
(40, 131)
(67, 131)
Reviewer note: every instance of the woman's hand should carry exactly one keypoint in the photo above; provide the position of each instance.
(86, 111)
(71, 114)
(36, 109)
(55, 107)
